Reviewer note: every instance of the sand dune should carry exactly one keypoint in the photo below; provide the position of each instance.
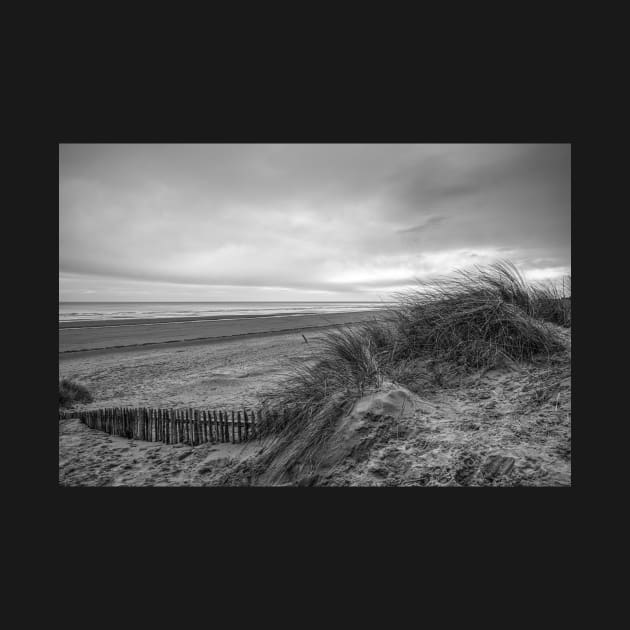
(504, 427)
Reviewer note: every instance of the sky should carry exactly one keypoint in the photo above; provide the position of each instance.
(195, 222)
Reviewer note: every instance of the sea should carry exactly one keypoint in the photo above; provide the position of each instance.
(98, 311)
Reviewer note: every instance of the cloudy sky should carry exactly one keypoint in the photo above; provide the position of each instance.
(303, 222)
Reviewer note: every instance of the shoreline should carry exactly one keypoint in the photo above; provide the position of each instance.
(191, 319)
(142, 334)
(164, 345)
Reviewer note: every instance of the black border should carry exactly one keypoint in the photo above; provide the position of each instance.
(317, 518)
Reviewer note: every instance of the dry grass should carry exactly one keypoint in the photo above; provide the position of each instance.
(470, 320)
(71, 392)
(348, 362)
(475, 318)
(550, 304)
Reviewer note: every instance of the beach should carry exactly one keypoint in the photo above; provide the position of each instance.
(222, 372)
(498, 414)
(232, 371)
(132, 333)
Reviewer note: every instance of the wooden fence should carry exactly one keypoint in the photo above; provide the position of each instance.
(173, 426)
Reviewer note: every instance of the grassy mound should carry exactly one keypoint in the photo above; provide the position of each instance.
(468, 321)
(349, 361)
(71, 392)
(476, 318)
(471, 320)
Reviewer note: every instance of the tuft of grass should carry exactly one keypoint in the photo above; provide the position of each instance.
(550, 304)
(71, 392)
(349, 361)
(475, 319)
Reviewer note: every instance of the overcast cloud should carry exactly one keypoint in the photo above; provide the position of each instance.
(303, 222)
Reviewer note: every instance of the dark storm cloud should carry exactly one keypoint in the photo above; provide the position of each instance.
(340, 220)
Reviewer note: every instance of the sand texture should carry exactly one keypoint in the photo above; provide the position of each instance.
(510, 426)
(74, 337)
(221, 373)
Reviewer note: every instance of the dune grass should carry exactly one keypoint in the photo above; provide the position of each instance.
(349, 360)
(476, 318)
(470, 320)
(71, 392)
(550, 304)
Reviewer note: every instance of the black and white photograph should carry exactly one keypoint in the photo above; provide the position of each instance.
(314, 314)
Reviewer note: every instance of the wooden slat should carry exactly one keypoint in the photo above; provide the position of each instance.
(188, 425)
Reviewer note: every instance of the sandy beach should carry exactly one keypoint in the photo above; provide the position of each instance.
(223, 372)
(228, 372)
(498, 413)
(111, 334)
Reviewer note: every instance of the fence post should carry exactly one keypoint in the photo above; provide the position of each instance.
(192, 426)
(254, 424)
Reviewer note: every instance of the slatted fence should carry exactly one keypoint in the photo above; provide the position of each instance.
(173, 426)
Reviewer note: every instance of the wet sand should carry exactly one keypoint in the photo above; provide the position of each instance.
(114, 334)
